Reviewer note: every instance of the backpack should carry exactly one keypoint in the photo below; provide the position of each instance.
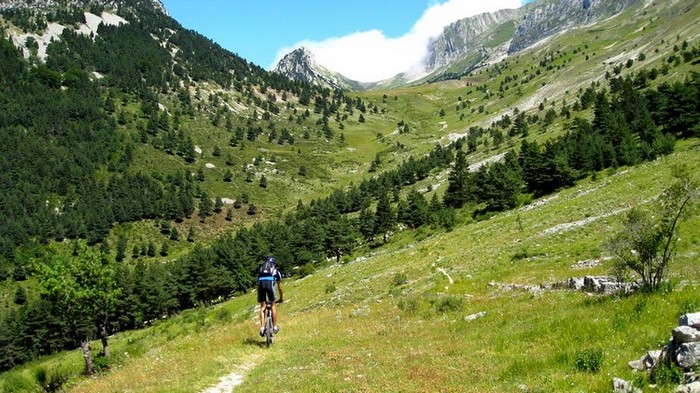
(267, 269)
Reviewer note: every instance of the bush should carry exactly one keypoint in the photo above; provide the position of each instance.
(222, 314)
(448, 304)
(589, 360)
(50, 380)
(330, 288)
(408, 305)
(667, 375)
(101, 363)
(306, 270)
(399, 279)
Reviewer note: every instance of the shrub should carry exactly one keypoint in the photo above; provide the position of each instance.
(448, 303)
(50, 380)
(667, 374)
(305, 270)
(399, 279)
(408, 305)
(589, 360)
(101, 363)
(223, 314)
(330, 288)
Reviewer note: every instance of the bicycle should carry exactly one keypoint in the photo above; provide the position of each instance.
(269, 326)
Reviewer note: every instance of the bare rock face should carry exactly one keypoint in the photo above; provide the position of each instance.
(301, 66)
(477, 41)
(546, 18)
(469, 34)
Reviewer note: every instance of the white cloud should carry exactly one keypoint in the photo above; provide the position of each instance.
(370, 56)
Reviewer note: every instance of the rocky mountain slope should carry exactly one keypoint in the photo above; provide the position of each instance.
(300, 65)
(545, 18)
(469, 35)
(484, 39)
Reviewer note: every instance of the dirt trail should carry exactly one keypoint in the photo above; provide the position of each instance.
(229, 382)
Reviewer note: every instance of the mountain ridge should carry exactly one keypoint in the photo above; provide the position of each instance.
(300, 65)
(474, 42)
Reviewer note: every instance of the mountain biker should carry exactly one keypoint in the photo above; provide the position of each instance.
(268, 275)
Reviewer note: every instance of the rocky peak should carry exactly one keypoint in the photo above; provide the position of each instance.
(298, 64)
(301, 66)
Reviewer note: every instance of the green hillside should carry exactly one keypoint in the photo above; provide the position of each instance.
(402, 326)
(174, 185)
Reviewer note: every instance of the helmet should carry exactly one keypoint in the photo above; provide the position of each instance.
(272, 260)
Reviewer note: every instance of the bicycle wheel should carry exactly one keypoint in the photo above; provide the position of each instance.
(269, 331)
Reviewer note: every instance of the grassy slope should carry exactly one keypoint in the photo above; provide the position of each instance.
(331, 164)
(349, 328)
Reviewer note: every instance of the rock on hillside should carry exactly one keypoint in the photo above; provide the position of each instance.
(547, 17)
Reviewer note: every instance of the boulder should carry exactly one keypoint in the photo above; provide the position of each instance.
(690, 388)
(692, 320)
(646, 362)
(685, 334)
(687, 355)
(576, 283)
(692, 376)
(607, 285)
(622, 386)
(475, 316)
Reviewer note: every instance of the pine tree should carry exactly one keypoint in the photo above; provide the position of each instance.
(459, 183)
(385, 217)
(122, 244)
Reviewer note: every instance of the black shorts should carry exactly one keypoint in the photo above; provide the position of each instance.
(266, 291)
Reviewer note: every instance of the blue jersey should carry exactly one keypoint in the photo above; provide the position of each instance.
(276, 276)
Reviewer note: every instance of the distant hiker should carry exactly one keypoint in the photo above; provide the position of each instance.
(267, 276)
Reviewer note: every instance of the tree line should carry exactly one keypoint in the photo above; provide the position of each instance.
(628, 127)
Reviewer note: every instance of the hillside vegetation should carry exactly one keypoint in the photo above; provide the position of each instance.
(410, 268)
(393, 318)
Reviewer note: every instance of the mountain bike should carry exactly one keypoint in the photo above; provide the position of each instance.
(269, 326)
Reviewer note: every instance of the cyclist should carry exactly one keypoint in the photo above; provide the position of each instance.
(268, 275)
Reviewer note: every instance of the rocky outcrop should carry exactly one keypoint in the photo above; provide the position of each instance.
(477, 33)
(301, 66)
(548, 17)
(683, 350)
(602, 284)
(477, 41)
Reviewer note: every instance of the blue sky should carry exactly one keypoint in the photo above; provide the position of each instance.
(367, 40)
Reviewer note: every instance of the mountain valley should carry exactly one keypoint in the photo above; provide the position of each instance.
(424, 226)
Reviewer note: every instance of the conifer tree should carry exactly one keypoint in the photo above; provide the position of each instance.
(459, 184)
(385, 217)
